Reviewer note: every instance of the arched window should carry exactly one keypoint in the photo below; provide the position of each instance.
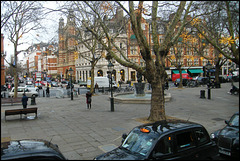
(99, 73)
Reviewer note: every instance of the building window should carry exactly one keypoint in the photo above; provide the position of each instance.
(111, 31)
(133, 76)
(133, 50)
(161, 30)
(195, 61)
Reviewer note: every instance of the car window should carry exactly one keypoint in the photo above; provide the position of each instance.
(20, 90)
(201, 136)
(185, 140)
(139, 142)
(164, 146)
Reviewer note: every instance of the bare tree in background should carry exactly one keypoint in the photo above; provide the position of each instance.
(23, 17)
(218, 22)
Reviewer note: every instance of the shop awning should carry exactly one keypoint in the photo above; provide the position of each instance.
(195, 70)
(132, 37)
(177, 71)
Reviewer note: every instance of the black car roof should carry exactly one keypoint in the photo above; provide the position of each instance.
(169, 126)
(17, 149)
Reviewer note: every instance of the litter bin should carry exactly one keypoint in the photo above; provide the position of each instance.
(202, 94)
(33, 100)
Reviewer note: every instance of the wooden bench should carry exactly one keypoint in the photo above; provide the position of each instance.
(21, 111)
(11, 100)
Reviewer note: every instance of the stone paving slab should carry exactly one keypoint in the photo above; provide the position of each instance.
(83, 134)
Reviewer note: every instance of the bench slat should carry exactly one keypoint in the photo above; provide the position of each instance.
(21, 111)
(11, 100)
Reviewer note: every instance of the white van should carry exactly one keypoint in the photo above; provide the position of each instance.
(101, 81)
(21, 90)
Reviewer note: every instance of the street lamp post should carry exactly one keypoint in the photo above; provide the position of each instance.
(110, 68)
(71, 72)
(208, 67)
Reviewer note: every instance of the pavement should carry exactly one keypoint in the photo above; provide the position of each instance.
(82, 134)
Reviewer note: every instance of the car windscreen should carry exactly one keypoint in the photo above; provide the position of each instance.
(139, 142)
(234, 121)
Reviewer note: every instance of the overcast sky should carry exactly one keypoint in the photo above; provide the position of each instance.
(51, 24)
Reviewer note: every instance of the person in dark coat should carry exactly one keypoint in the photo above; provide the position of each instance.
(24, 100)
(96, 87)
(47, 91)
(88, 99)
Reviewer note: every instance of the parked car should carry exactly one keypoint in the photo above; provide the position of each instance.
(235, 78)
(68, 85)
(202, 80)
(45, 83)
(229, 78)
(39, 85)
(21, 90)
(227, 139)
(32, 87)
(184, 82)
(54, 84)
(28, 82)
(20, 80)
(222, 79)
(64, 84)
(172, 139)
(30, 150)
(82, 83)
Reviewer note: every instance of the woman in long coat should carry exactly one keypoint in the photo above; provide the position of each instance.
(88, 99)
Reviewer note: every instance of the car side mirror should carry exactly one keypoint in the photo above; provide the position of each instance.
(226, 122)
(124, 136)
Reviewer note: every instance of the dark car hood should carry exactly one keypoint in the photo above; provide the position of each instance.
(230, 132)
(18, 149)
(119, 154)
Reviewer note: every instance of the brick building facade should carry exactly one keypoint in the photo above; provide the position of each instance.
(66, 46)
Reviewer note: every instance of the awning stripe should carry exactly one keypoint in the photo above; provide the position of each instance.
(195, 70)
(177, 71)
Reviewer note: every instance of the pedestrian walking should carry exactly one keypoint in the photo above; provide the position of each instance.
(48, 91)
(9, 87)
(88, 99)
(96, 88)
(24, 100)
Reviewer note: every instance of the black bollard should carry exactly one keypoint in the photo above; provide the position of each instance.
(43, 93)
(33, 100)
(202, 94)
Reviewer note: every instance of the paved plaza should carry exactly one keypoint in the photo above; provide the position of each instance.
(84, 134)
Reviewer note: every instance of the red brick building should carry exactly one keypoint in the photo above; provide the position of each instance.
(66, 46)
